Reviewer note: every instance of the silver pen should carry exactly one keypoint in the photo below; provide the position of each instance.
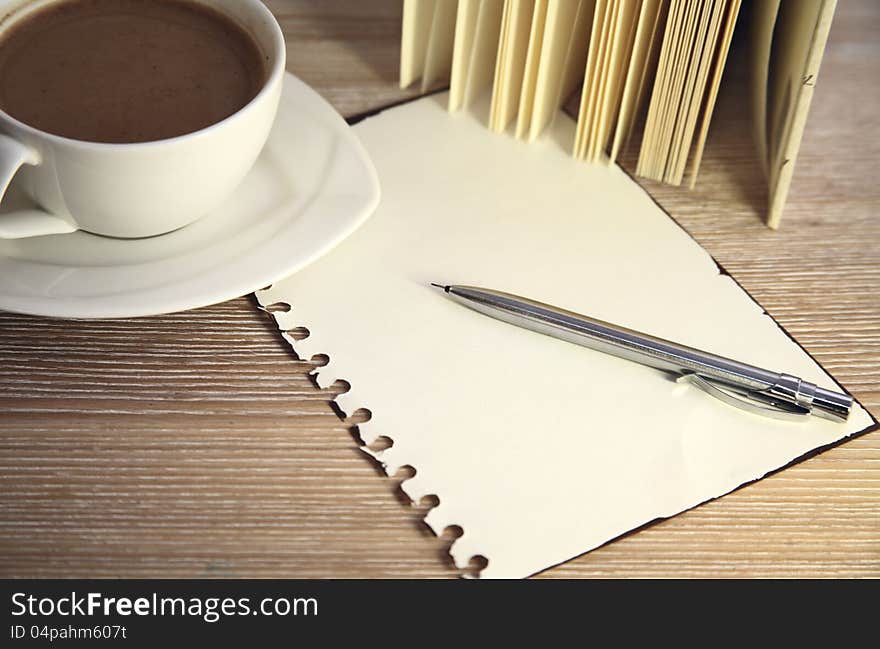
(745, 386)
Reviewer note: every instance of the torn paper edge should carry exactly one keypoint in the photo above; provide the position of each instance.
(462, 551)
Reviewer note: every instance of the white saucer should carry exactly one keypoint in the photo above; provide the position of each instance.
(312, 186)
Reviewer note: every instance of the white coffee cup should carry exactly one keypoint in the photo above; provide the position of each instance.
(143, 189)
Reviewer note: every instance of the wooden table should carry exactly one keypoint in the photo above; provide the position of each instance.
(195, 445)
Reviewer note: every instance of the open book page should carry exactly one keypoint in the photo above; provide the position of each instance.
(481, 67)
(606, 48)
(465, 27)
(798, 44)
(562, 22)
(621, 41)
(418, 15)
(700, 96)
(438, 57)
(672, 102)
(511, 64)
(653, 64)
(500, 58)
(695, 44)
(578, 45)
(601, 18)
(761, 41)
(642, 64)
(539, 449)
(650, 145)
(530, 72)
(714, 84)
(693, 96)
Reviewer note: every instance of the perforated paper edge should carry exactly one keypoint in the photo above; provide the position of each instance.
(467, 558)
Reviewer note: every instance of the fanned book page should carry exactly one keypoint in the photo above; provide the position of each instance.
(538, 449)
(801, 32)
(645, 71)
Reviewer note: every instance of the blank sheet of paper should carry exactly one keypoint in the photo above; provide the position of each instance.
(540, 450)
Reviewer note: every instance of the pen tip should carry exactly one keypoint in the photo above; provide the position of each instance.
(445, 288)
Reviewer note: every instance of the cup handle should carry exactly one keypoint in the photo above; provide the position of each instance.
(23, 223)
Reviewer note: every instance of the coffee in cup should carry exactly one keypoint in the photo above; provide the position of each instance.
(124, 71)
(132, 118)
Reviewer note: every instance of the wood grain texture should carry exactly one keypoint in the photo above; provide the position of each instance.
(195, 445)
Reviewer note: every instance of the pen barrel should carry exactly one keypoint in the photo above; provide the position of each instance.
(649, 350)
(835, 404)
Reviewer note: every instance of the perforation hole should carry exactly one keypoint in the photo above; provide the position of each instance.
(476, 565)
(405, 473)
(381, 443)
(277, 307)
(451, 533)
(400, 476)
(298, 333)
(320, 360)
(360, 416)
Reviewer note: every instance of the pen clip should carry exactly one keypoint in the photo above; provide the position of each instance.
(760, 403)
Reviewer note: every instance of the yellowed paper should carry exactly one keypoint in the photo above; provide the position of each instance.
(438, 58)
(540, 450)
(512, 67)
(692, 92)
(561, 24)
(465, 27)
(760, 43)
(418, 16)
(530, 74)
(481, 68)
(714, 85)
(602, 76)
(802, 32)
(578, 45)
(647, 163)
(621, 49)
(637, 69)
(591, 74)
(499, 65)
(698, 93)
(681, 66)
